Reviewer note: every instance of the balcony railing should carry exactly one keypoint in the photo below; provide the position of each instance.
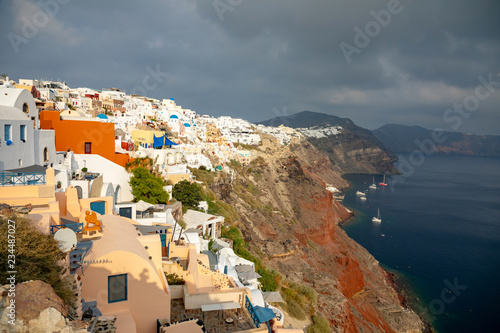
(76, 227)
(22, 178)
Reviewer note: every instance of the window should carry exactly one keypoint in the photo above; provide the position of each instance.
(26, 108)
(8, 132)
(45, 154)
(22, 134)
(88, 147)
(117, 288)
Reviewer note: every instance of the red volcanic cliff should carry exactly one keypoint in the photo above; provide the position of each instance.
(301, 239)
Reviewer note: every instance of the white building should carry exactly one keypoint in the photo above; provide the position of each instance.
(22, 143)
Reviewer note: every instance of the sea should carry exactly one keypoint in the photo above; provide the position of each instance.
(440, 236)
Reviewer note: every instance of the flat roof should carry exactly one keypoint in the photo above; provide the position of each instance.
(32, 168)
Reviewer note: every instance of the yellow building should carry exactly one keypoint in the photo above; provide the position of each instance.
(145, 136)
(122, 272)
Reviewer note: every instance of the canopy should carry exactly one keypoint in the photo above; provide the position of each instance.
(244, 268)
(168, 142)
(142, 205)
(264, 314)
(162, 141)
(272, 296)
(157, 141)
(247, 276)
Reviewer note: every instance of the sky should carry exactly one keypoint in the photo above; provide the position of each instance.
(433, 63)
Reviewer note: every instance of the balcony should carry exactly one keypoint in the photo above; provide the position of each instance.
(76, 227)
(22, 178)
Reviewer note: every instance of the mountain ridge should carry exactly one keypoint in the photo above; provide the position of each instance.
(353, 149)
(406, 139)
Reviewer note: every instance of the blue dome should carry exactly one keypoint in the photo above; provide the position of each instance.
(102, 116)
(187, 125)
(174, 117)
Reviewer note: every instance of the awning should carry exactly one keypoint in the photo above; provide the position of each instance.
(272, 296)
(143, 206)
(157, 141)
(168, 142)
(264, 314)
(244, 268)
(246, 276)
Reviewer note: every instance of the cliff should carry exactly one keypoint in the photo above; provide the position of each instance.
(406, 139)
(351, 148)
(290, 222)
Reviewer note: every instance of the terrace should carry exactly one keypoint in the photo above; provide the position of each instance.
(220, 321)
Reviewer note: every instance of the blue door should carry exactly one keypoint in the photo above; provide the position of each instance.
(98, 207)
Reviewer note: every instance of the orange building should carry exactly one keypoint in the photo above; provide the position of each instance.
(83, 136)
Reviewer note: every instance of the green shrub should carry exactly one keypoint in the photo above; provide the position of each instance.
(319, 325)
(204, 175)
(294, 309)
(147, 187)
(174, 280)
(269, 279)
(299, 295)
(187, 193)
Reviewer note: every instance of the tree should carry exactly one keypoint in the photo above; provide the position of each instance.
(147, 187)
(187, 193)
(36, 255)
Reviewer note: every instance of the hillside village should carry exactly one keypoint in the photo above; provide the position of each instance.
(65, 160)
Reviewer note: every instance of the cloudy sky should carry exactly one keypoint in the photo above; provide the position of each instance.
(376, 62)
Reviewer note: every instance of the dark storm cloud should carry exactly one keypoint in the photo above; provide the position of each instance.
(268, 58)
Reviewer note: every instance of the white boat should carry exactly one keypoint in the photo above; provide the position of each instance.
(359, 193)
(373, 186)
(377, 219)
(363, 198)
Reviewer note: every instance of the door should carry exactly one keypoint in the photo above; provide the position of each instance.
(126, 212)
(88, 147)
(98, 207)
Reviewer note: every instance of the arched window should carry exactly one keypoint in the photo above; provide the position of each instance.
(26, 108)
(45, 154)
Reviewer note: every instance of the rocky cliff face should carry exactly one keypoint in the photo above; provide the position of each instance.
(352, 149)
(290, 221)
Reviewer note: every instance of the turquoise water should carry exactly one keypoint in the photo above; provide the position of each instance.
(440, 233)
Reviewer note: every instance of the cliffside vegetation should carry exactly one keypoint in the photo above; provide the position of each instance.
(280, 216)
(36, 256)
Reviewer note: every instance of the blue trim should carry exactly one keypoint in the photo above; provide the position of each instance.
(76, 227)
(251, 311)
(22, 178)
(126, 289)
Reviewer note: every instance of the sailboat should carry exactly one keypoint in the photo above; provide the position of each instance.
(373, 186)
(383, 183)
(377, 219)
